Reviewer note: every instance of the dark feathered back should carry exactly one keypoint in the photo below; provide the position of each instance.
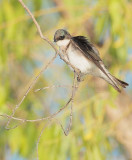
(86, 46)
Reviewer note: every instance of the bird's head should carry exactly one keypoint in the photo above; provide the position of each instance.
(62, 37)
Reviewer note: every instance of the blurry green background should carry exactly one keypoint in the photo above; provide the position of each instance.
(102, 118)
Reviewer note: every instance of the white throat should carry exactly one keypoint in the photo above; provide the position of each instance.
(63, 43)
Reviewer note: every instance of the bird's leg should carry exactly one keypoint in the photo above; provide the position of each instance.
(79, 75)
(80, 78)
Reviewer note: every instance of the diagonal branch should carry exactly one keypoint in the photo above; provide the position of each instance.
(74, 89)
(40, 119)
(44, 37)
(28, 90)
(43, 69)
(45, 126)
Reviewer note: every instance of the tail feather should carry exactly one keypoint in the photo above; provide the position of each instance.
(119, 83)
(116, 87)
(122, 83)
(112, 80)
(115, 82)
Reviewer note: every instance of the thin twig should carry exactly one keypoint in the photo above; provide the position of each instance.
(44, 68)
(40, 119)
(53, 86)
(29, 88)
(45, 38)
(58, 122)
(74, 89)
(73, 94)
(49, 122)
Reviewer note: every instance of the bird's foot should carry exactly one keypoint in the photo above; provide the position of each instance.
(79, 75)
(79, 78)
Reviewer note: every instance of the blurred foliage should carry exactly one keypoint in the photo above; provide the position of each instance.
(22, 53)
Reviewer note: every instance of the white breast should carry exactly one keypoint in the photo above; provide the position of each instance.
(80, 62)
(77, 59)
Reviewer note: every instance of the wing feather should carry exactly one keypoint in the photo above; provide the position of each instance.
(90, 52)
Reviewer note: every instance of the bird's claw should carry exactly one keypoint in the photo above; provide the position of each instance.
(79, 79)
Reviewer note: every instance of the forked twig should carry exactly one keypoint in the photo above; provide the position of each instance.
(45, 38)
(45, 126)
(44, 68)
(74, 89)
(29, 88)
(39, 119)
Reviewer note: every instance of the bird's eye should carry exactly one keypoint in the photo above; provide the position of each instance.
(62, 37)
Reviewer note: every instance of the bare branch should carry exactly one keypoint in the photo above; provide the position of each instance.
(44, 68)
(59, 123)
(45, 38)
(49, 122)
(37, 26)
(74, 89)
(29, 88)
(40, 119)
(53, 86)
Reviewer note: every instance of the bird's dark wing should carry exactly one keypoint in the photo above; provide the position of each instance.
(90, 52)
(85, 46)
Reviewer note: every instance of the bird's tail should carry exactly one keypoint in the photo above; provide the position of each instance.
(115, 82)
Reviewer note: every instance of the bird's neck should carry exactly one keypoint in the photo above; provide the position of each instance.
(63, 43)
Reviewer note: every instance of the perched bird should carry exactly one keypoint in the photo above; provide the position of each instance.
(82, 54)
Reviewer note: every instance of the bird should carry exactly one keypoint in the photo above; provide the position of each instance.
(85, 57)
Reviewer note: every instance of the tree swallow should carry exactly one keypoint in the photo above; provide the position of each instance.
(83, 55)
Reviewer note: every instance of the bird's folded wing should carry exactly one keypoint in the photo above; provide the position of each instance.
(90, 52)
(85, 46)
